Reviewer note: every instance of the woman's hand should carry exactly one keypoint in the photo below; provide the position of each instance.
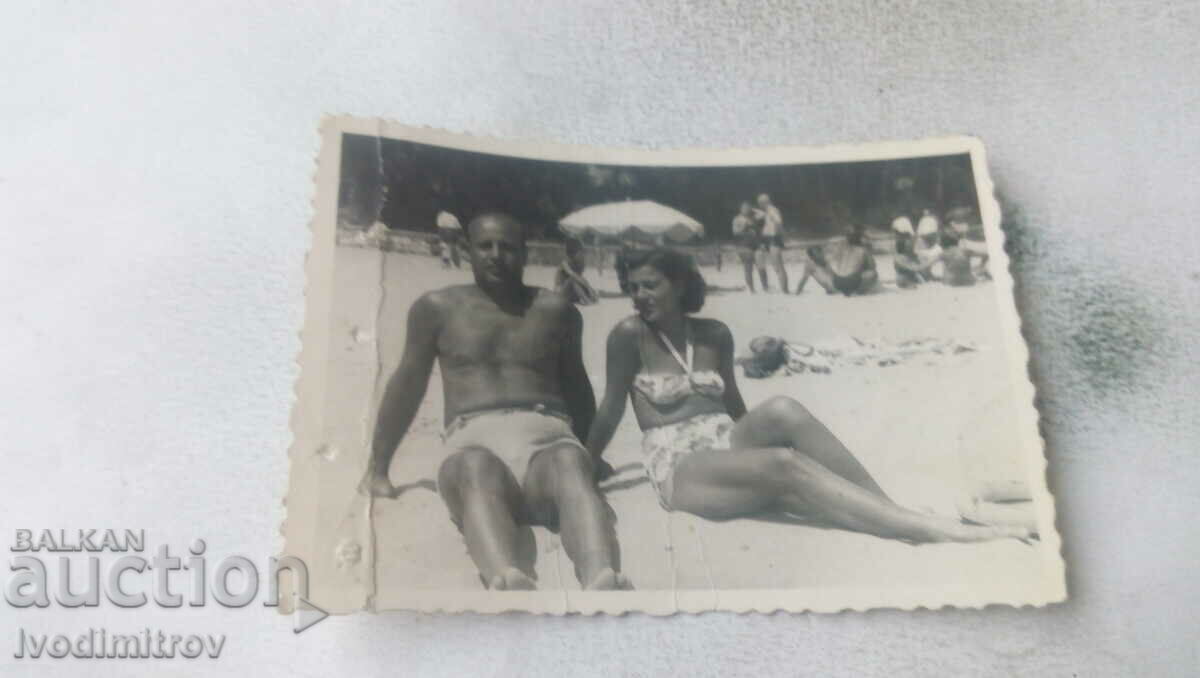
(603, 470)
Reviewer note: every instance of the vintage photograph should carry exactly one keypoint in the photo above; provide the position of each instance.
(565, 379)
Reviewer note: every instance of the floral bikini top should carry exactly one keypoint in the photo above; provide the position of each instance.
(666, 390)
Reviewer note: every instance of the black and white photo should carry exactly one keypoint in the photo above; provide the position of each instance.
(561, 379)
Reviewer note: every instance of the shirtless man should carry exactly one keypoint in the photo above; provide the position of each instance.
(517, 403)
(771, 233)
(745, 233)
(852, 265)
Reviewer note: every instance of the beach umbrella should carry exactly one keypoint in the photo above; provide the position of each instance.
(632, 217)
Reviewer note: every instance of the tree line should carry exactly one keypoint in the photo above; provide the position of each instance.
(405, 184)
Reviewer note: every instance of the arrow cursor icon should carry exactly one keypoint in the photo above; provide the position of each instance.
(306, 615)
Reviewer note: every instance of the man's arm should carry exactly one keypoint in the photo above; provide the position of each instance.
(577, 388)
(403, 395)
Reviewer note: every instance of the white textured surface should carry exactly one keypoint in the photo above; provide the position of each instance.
(155, 172)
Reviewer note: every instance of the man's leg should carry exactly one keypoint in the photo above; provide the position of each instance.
(748, 269)
(559, 487)
(780, 270)
(822, 275)
(760, 262)
(484, 501)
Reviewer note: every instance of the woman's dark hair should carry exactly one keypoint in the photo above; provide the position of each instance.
(677, 267)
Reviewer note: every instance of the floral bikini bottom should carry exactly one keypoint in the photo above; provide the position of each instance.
(664, 446)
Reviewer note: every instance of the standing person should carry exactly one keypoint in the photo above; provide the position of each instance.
(705, 454)
(449, 231)
(517, 401)
(745, 234)
(772, 237)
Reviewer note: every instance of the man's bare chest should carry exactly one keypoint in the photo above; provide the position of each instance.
(489, 336)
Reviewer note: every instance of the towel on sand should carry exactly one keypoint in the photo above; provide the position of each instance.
(773, 356)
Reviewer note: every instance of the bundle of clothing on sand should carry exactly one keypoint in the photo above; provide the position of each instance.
(774, 356)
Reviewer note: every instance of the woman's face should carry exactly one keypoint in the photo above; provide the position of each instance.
(654, 295)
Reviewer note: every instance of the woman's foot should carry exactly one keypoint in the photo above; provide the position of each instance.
(948, 530)
(1018, 514)
(512, 579)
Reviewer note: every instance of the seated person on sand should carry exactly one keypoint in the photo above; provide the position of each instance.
(705, 454)
(569, 280)
(929, 254)
(848, 268)
(517, 400)
(816, 266)
(909, 271)
(852, 265)
(971, 240)
(956, 262)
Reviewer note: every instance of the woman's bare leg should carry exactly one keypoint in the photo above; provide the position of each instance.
(723, 484)
(783, 422)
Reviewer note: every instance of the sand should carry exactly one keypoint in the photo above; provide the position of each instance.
(931, 431)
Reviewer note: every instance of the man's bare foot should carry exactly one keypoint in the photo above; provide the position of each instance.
(512, 579)
(377, 485)
(609, 580)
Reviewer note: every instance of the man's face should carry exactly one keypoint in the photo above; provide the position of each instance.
(763, 201)
(497, 251)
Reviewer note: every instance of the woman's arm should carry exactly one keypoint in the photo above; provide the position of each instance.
(733, 397)
(621, 365)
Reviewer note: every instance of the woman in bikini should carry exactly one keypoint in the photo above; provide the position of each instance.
(706, 454)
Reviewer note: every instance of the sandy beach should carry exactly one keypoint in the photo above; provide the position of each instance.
(929, 430)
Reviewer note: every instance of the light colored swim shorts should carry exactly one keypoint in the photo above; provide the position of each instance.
(515, 435)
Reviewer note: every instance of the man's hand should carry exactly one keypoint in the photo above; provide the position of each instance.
(377, 485)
